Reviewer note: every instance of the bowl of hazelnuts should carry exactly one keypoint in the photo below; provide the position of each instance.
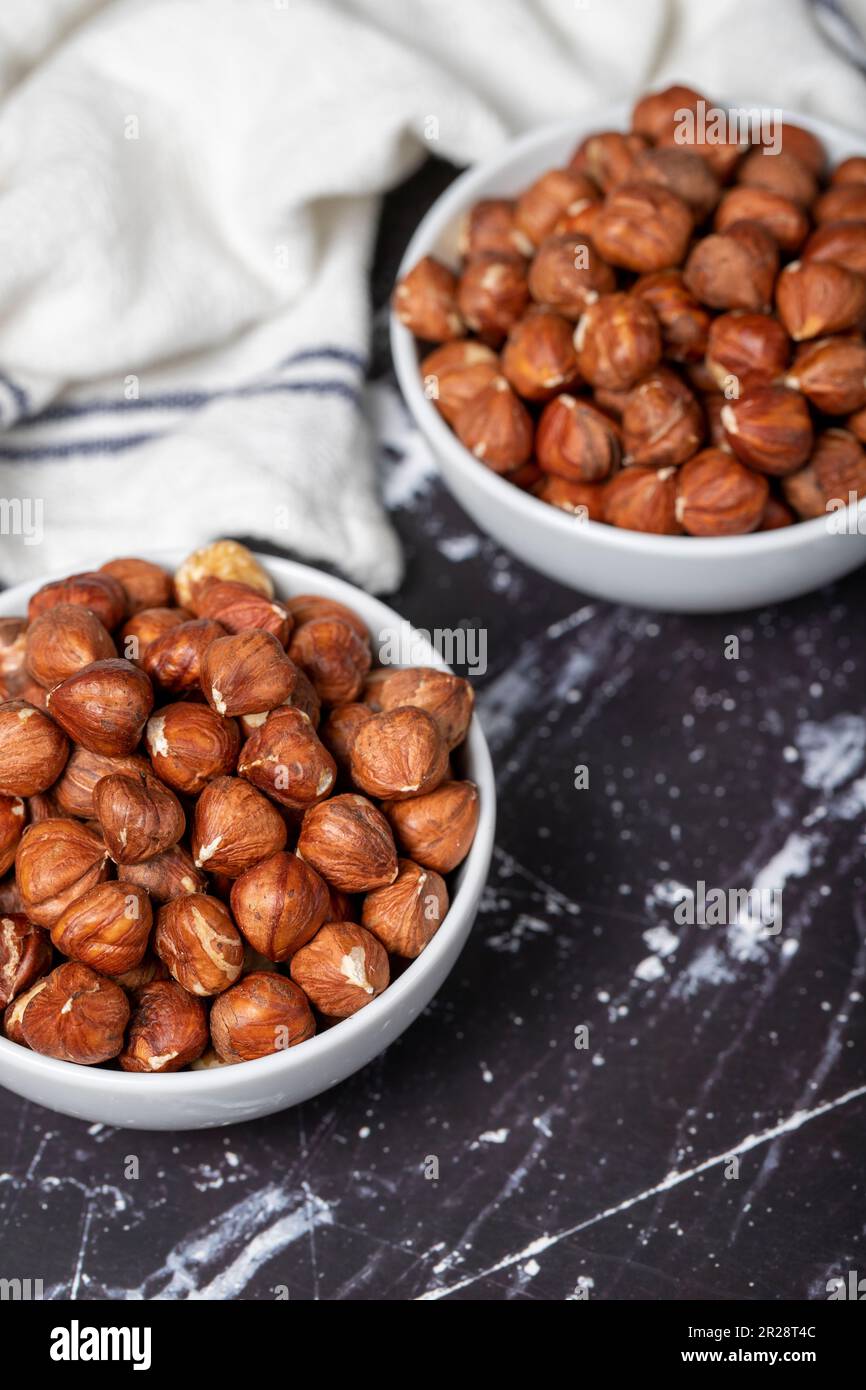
(238, 854)
(635, 345)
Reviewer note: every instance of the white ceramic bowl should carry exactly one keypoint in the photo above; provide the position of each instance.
(226, 1095)
(674, 573)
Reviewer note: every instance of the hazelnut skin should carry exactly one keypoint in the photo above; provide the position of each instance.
(781, 173)
(684, 322)
(450, 699)
(56, 862)
(805, 146)
(492, 293)
(261, 1014)
(279, 904)
(174, 660)
(856, 423)
(219, 560)
(752, 349)
(406, 915)
(734, 269)
(12, 813)
(234, 826)
(851, 170)
(576, 441)
(106, 928)
(643, 499)
(842, 202)
(144, 585)
(13, 651)
(776, 515)
(237, 607)
(142, 629)
(349, 842)
(167, 1031)
(683, 173)
(836, 469)
(539, 207)
(246, 672)
(100, 593)
(25, 955)
(167, 875)
(784, 219)
(33, 750)
(660, 113)
(841, 242)
(831, 373)
(425, 302)
(199, 943)
(618, 340)
(662, 422)
(496, 427)
(436, 830)
(104, 707)
(454, 374)
(490, 227)
(343, 968)
(718, 496)
(333, 656)
(770, 429)
(339, 730)
(539, 358)
(63, 640)
(73, 791)
(75, 1015)
(818, 297)
(305, 608)
(286, 759)
(643, 227)
(584, 501)
(607, 157)
(398, 753)
(568, 273)
(138, 815)
(190, 744)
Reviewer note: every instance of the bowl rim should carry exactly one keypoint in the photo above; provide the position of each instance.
(442, 216)
(293, 577)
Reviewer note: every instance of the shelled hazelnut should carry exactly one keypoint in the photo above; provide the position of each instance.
(618, 340)
(496, 427)
(643, 227)
(426, 302)
(662, 422)
(783, 218)
(182, 745)
(454, 374)
(842, 242)
(643, 499)
(718, 496)
(568, 274)
(818, 297)
(747, 349)
(576, 441)
(769, 429)
(492, 293)
(491, 226)
(831, 373)
(539, 358)
(836, 469)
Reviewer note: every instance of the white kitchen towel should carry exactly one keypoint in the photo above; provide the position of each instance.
(188, 198)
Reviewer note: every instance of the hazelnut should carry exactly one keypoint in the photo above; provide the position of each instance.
(818, 297)
(683, 173)
(722, 158)
(450, 699)
(492, 293)
(343, 968)
(806, 147)
(607, 157)
(349, 842)
(662, 421)
(578, 219)
(33, 750)
(643, 499)
(568, 274)
(526, 477)
(769, 428)
(104, 706)
(220, 560)
(333, 656)
(836, 469)
(398, 753)
(25, 956)
(541, 205)
(643, 227)
(15, 1012)
(286, 759)
(144, 585)
(238, 607)
(75, 1015)
(575, 441)
(143, 629)
(246, 672)
(831, 372)
(779, 172)
(851, 170)
(190, 744)
(73, 791)
(842, 242)
(234, 826)
(496, 427)
(261, 1014)
(750, 349)
(168, 1029)
(539, 358)
(302, 696)
(174, 660)
(454, 374)
(62, 640)
(138, 816)
(166, 875)
(425, 301)
(843, 202)
(718, 496)
(776, 515)
(106, 928)
(99, 592)
(198, 941)
(57, 861)
(784, 219)
(489, 227)
(340, 728)
(436, 830)
(684, 323)
(304, 608)
(582, 500)
(856, 423)
(279, 904)
(43, 806)
(13, 651)
(406, 915)
(11, 827)
(148, 970)
(659, 114)
(734, 269)
(618, 340)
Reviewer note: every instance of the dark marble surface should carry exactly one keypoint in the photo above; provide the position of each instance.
(562, 1171)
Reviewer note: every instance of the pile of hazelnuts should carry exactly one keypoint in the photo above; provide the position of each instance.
(222, 827)
(663, 335)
